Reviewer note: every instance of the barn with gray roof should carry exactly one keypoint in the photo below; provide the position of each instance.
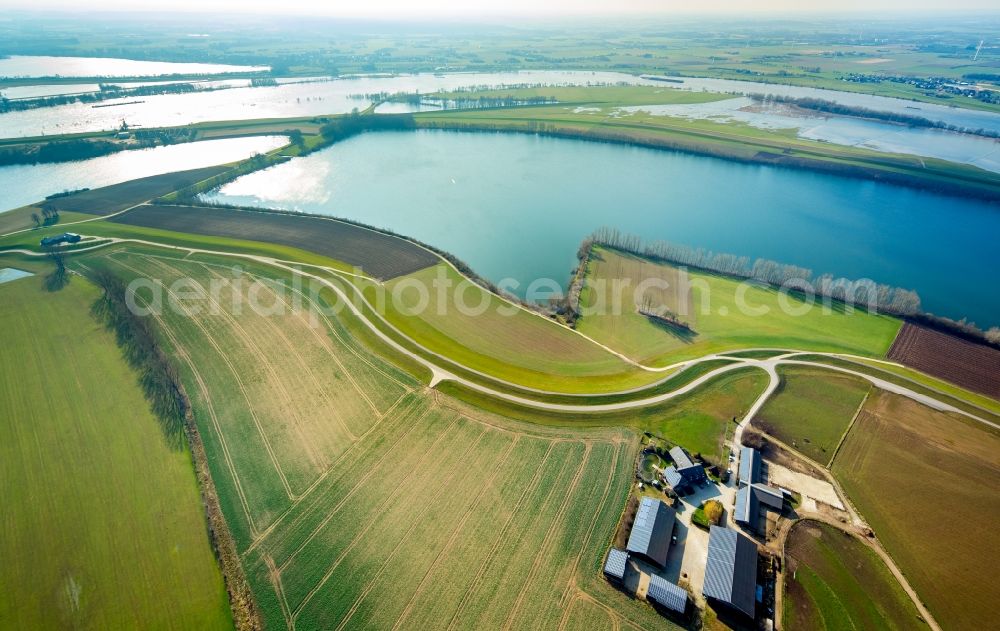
(731, 570)
(751, 499)
(749, 465)
(651, 531)
(614, 567)
(666, 594)
(684, 473)
(753, 495)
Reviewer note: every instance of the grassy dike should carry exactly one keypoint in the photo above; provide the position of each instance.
(721, 140)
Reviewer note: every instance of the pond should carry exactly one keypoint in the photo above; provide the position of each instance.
(518, 206)
(25, 184)
(46, 66)
(289, 98)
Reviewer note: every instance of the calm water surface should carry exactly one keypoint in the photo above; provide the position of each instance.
(842, 130)
(518, 206)
(23, 184)
(45, 66)
(293, 98)
(952, 115)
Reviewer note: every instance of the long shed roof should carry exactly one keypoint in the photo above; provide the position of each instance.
(731, 570)
(749, 465)
(651, 531)
(748, 501)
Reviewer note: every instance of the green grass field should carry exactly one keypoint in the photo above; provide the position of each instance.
(812, 409)
(833, 581)
(929, 485)
(713, 309)
(358, 499)
(103, 527)
(502, 341)
(972, 402)
(698, 420)
(20, 219)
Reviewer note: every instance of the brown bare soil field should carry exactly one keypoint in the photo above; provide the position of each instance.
(380, 255)
(118, 197)
(964, 363)
(929, 484)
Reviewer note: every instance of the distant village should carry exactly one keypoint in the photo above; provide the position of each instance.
(934, 86)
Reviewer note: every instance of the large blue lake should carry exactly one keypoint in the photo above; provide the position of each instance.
(518, 206)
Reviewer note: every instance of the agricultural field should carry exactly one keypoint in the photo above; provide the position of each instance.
(359, 499)
(834, 581)
(378, 254)
(712, 311)
(90, 477)
(967, 364)
(973, 402)
(929, 485)
(118, 197)
(20, 218)
(811, 409)
(496, 337)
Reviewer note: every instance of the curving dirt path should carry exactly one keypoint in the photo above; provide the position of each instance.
(769, 365)
(872, 544)
(440, 373)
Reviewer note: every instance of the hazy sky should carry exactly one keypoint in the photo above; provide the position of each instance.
(459, 8)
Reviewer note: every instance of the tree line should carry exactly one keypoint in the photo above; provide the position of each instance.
(895, 300)
(137, 338)
(106, 91)
(82, 148)
(840, 109)
(49, 214)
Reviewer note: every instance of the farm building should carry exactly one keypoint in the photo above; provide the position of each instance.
(66, 237)
(749, 501)
(651, 532)
(750, 462)
(684, 473)
(731, 570)
(753, 495)
(614, 567)
(666, 594)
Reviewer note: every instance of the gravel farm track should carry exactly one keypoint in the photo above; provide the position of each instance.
(299, 478)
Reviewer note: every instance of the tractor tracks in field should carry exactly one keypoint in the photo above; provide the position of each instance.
(419, 465)
(548, 540)
(440, 492)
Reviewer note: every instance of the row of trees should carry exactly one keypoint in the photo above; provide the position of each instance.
(138, 340)
(889, 299)
(354, 123)
(49, 216)
(831, 107)
(106, 92)
(82, 149)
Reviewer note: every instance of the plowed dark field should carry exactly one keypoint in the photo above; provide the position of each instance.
(118, 197)
(380, 255)
(964, 363)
